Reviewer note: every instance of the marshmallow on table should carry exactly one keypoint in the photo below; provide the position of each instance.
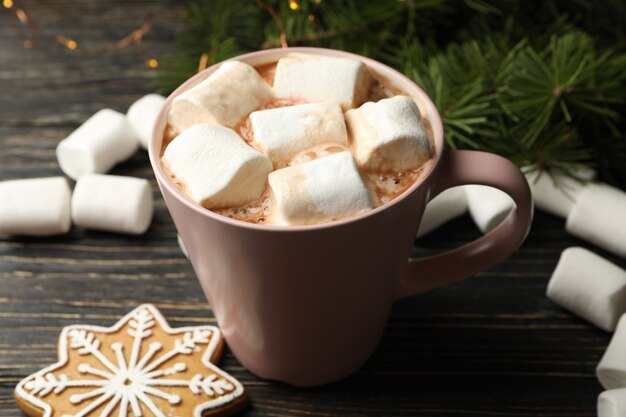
(112, 203)
(389, 135)
(312, 78)
(451, 203)
(216, 167)
(324, 189)
(599, 216)
(224, 98)
(611, 371)
(35, 207)
(488, 206)
(105, 139)
(142, 116)
(556, 194)
(612, 403)
(590, 287)
(285, 131)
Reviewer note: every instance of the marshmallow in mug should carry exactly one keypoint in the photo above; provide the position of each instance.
(112, 203)
(142, 116)
(488, 206)
(611, 371)
(317, 191)
(216, 167)
(224, 98)
(612, 403)
(590, 287)
(285, 131)
(448, 205)
(104, 140)
(599, 216)
(35, 207)
(313, 78)
(557, 193)
(389, 135)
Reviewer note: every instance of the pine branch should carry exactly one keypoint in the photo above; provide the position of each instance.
(540, 82)
(312, 38)
(553, 96)
(567, 83)
(220, 29)
(460, 83)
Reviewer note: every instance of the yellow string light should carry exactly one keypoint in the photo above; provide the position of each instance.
(23, 17)
(135, 37)
(293, 5)
(67, 42)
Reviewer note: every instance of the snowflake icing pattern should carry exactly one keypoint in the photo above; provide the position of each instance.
(135, 380)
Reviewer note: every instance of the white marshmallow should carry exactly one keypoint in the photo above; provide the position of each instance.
(112, 203)
(612, 403)
(324, 189)
(599, 216)
(488, 206)
(216, 166)
(389, 135)
(142, 116)
(590, 287)
(224, 98)
(557, 193)
(104, 140)
(35, 207)
(448, 205)
(182, 247)
(285, 131)
(611, 371)
(313, 78)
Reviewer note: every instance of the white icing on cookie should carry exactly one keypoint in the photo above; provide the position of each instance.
(138, 380)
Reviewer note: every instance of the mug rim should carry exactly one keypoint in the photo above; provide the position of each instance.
(433, 116)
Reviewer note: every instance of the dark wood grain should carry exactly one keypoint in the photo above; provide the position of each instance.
(490, 346)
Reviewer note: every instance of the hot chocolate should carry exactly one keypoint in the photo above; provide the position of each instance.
(313, 152)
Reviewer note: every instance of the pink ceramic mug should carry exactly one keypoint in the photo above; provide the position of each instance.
(308, 304)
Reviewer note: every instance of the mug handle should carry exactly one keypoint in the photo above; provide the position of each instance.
(473, 167)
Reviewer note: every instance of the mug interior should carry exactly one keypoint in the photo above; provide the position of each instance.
(395, 78)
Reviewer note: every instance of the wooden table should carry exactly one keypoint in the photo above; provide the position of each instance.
(490, 346)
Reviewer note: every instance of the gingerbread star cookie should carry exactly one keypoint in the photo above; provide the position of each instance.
(140, 367)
